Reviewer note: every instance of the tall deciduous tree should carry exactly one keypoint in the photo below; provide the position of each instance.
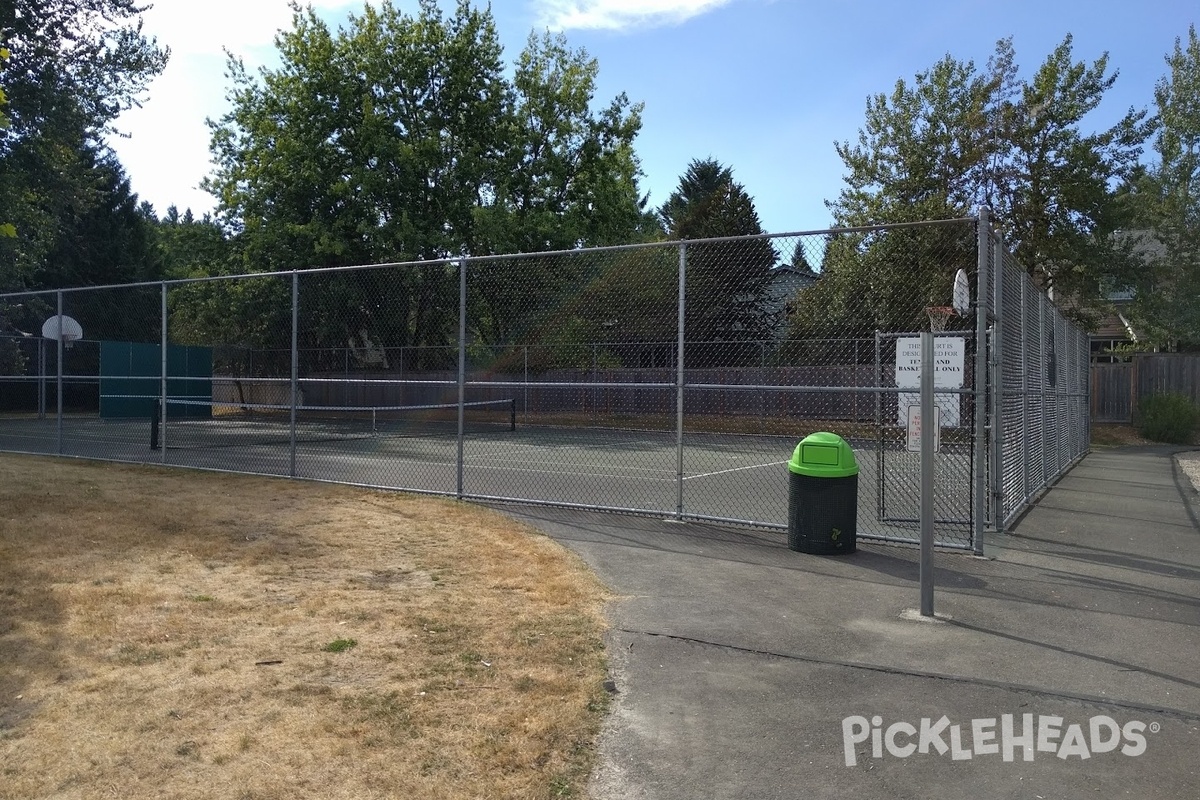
(959, 137)
(566, 178)
(399, 137)
(371, 144)
(728, 302)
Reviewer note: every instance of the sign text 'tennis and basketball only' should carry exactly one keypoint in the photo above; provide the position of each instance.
(949, 362)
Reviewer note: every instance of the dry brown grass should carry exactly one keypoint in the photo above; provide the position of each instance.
(162, 635)
(1105, 435)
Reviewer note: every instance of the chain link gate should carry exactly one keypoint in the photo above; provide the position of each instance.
(671, 379)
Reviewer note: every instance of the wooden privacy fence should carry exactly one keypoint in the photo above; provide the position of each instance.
(1117, 388)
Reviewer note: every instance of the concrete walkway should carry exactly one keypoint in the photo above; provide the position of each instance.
(745, 670)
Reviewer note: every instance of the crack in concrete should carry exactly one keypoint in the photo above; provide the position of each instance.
(1189, 716)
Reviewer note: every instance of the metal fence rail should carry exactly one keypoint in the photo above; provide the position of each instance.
(670, 378)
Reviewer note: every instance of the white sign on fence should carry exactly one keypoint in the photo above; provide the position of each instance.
(949, 368)
(913, 417)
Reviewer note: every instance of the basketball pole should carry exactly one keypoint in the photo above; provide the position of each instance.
(42, 378)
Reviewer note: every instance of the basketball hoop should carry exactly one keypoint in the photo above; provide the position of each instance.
(62, 329)
(939, 316)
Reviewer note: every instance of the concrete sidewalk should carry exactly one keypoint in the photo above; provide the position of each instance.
(745, 670)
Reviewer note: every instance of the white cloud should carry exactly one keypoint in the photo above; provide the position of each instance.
(619, 14)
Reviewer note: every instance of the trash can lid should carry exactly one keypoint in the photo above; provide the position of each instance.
(823, 455)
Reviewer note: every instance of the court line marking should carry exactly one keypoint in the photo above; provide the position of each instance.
(734, 469)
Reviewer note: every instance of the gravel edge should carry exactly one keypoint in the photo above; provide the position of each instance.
(1190, 463)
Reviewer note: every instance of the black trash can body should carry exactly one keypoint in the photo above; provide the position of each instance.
(823, 496)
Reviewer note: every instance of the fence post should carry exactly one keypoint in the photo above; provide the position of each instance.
(163, 410)
(295, 372)
(879, 489)
(59, 343)
(1026, 461)
(679, 380)
(996, 365)
(462, 374)
(1042, 302)
(984, 252)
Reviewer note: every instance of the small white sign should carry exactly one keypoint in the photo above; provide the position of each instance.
(914, 429)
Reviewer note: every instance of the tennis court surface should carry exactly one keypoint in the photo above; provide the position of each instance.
(739, 478)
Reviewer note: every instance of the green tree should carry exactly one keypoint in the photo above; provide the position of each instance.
(399, 138)
(6, 228)
(881, 280)
(188, 247)
(372, 144)
(728, 301)
(566, 178)
(74, 66)
(959, 138)
(1167, 304)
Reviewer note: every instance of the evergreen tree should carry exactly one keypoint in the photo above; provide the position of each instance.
(73, 67)
(728, 301)
(1167, 197)
(958, 138)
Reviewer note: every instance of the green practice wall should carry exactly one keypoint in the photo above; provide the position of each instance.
(130, 375)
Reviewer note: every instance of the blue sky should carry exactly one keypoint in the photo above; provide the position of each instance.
(765, 86)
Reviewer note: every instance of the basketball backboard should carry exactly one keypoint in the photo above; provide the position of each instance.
(962, 293)
(63, 327)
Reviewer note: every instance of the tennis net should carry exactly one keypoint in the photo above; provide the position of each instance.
(257, 424)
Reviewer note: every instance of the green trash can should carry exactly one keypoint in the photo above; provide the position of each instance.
(823, 496)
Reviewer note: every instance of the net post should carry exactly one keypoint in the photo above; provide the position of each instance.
(154, 420)
(512, 414)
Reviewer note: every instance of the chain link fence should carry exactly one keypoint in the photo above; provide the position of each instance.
(1043, 406)
(671, 379)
